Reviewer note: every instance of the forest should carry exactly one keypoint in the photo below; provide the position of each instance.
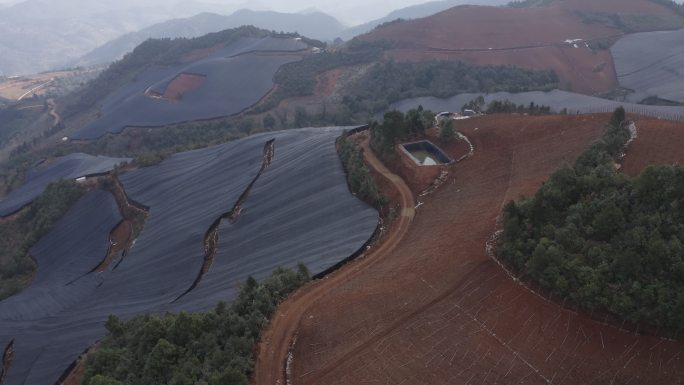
(506, 107)
(212, 348)
(397, 126)
(359, 177)
(609, 242)
(16, 266)
(299, 78)
(389, 81)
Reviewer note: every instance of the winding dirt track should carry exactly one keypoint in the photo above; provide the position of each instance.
(56, 118)
(276, 340)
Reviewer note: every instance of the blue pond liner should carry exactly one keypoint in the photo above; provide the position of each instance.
(430, 148)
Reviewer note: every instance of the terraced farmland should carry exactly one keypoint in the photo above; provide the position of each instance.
(66, 258)
(651, 64)
(556, 99)
(270, 200)
(235, 78)
(71, 166)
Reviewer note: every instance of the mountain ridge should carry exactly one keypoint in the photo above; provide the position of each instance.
(315, 25)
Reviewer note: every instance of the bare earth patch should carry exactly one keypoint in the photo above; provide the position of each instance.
(438, 310)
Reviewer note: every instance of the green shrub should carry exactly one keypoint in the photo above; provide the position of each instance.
(607, 241)
(19, 235)
(216, 347)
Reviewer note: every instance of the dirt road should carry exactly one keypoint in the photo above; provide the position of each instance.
(56, 118)
(274, 347)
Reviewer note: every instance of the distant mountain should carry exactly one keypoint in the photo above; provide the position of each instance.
(414, 12)
(38, 35)
(313, 24)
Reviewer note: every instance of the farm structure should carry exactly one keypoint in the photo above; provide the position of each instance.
(215, 217)
(421, 163)
(425, 153)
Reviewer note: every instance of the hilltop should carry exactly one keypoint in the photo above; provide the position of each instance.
(571, 37)
(316, 25)
(414, 12)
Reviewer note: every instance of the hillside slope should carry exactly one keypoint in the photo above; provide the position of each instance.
(225, 82)
(650, 64)
(438, 310)
(315, 25)
(414, 12)
(295, 208)
(566, 36)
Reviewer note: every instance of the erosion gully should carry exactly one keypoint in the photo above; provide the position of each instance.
(6, 361)
(123, 235)
(212, 235)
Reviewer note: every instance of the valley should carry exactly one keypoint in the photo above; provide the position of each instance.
(252, 205)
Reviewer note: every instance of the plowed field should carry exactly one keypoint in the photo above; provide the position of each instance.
(658, 142)
(182, 84)
(438, 310)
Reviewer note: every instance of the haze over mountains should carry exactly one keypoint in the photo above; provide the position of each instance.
(413, 12)
(41, 35)
(38, 35)
(316, 25)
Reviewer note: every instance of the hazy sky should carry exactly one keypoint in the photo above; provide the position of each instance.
(349, 12)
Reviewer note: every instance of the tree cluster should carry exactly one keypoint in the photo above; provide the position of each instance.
(447, 131)
(299, 78)
(387, 82)
(609, 242)
(397, 127)
(19, 235)
(477, 104)
(359, 177)
(507, 107)
(213, 348)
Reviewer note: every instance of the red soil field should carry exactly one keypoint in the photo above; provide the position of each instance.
(438, 310)
(327, 81)
(200, 53)
(619, 6)
(525, 37)
(182, 84)
(479, 27)
(658, 142)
